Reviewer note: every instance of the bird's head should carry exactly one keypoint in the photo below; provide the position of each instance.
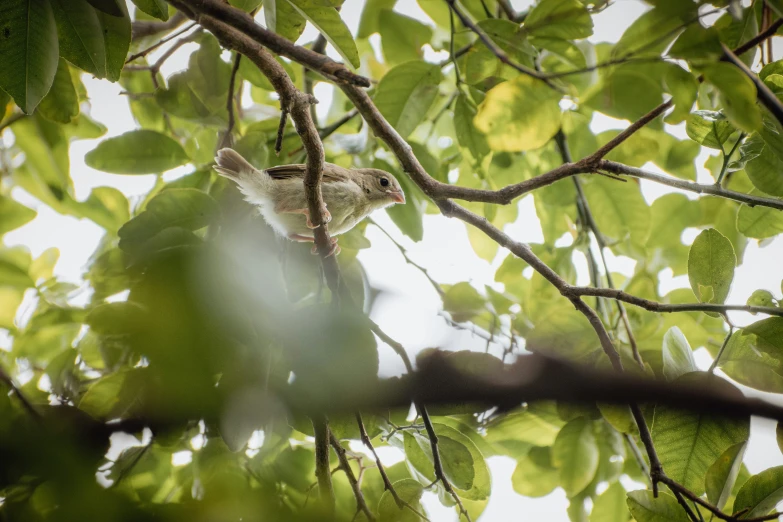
(382, 188)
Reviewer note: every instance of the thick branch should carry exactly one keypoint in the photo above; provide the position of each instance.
(323, 473)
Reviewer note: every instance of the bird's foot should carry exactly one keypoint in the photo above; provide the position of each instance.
(334, 250)
(299, 238)
(326, 215)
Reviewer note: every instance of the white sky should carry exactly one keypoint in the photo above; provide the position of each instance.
(408, 311)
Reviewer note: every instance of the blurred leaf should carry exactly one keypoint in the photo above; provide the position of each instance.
(761, 493)
(654, 30)
(112, 7)
(11, 275)
(137, 152)
(683, 87)
(410, 492)
(535, 475)
(157, 8)
(722, 474)
(29, 50)
(677, 355)
(611, 505)
(564, 19)
(463, 302)
(759, 222)
(469, 137)
(186, 208)
(405, 94)
(711, 264)
(575, 454)
(519, 115)
(761, 298)
(746, 364)
(646, 508)
(402, 37)
(13, 214)
(697, 43)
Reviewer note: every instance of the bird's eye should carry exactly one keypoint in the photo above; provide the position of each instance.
(384, 182)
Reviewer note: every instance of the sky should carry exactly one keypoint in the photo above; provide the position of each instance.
(409, 309)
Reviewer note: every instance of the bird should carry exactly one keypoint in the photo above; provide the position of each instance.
(349, 195)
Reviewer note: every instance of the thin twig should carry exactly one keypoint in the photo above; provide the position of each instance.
(151, 48)
(722, 348)
(495, 49)
(727, 159)
(281, 130)
(361, 504)
(227, 140)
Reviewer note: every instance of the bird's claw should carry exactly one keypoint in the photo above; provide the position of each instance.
(334, 250)
(327, 217)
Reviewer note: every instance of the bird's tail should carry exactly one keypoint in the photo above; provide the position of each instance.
(232, 165)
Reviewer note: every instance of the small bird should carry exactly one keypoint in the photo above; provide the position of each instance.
(349, 194)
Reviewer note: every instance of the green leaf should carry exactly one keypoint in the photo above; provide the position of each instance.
(137, 152)
(519, 115)
(463, 302)
(190, 209)
(709, 128)
(406, 93)
(624, 213)
(611, 505)
(646, 508)
(688, 443)
(61, 105)
(106, 206)
(764, 166)
(761, 298)
(677, 354)
(13, 214)
(769, 333)
(12, 275)
(759, 222)
(28, 45)
(684, 87)
(81, 35)
(410, 492)
(737, 95)
(402, 37)
(722, 474)
(480, 480)
(116, 40)
(282, 18)
(711, 263)
(670, 216)
(114, 8)
(538, 424)
(157, 8)
(746, 364)
(327, 20)
(575, 453)
(761, 493)
(369, 21)
(697, 43)
(481, 63)
(564, 19)
(535, 475)
(245, 5)
(468, 136)
(653, 31)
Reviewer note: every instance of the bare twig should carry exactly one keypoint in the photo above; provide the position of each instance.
(281, 130)
(361, 504)
(722, 349)
(151, 48)
(226, 140)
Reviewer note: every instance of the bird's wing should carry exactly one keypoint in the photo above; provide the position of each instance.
(331, 172)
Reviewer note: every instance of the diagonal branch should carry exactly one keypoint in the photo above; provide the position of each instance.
(361, 504)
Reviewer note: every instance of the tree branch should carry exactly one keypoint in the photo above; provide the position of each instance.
(238, 19)
(764, 93)
(323, 473)
(143, 28)
(361, 504)
(495, 49)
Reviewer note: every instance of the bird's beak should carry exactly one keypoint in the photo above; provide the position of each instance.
(397, 196)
